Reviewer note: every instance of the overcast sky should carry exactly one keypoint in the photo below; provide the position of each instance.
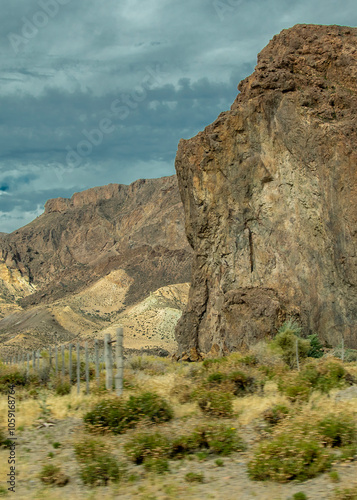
(94, 92)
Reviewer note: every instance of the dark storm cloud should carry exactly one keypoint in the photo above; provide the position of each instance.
(97, 92)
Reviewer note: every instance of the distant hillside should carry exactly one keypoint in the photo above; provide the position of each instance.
(95, 256)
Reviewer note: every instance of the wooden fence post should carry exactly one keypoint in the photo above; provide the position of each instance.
(56, 360)
(28, 365)
(87, 367)
(78, 370)
(119, 362)
(33, 361)
(96, 360)
(108, 362)
(63, 361)
(50, 357)
(70, 368)
(297, 355)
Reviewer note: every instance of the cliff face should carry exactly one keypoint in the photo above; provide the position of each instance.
(270, 192)
(137, 228)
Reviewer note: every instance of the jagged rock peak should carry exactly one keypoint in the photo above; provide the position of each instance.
(269, 192)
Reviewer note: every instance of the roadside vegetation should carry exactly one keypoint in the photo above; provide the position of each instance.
(180, 421)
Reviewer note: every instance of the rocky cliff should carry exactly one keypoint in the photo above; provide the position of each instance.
(270, 192)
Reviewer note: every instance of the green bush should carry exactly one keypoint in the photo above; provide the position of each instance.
(243, 384)
(109, 414)
(345, 494)
(316, 348)
(214, 403)
(52, 475)
(326, 375)
(150, 406)
(212, 439)
(299, 496)
(63, 387)
(118, 416)
(321, 376)
(144, 446)
(289, 457)
(194, 477)
(275, 414)
(285, 343)
(338, 430)
(97, 465)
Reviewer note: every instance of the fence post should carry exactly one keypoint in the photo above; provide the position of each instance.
(70, 363)
(108, 362)
(63, 362)
(78, 370)
(56, 360)
(96, 360)
(28, 365)
(33, 361)
(119, 362)
(297, 355)
(343, 349)
(87, 367)
(50, 357)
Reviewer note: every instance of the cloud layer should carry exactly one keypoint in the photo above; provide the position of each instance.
(97, 92)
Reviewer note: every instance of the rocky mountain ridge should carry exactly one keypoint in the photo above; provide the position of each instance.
(95, 255)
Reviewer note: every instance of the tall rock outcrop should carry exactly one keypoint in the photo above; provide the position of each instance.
(270, 198)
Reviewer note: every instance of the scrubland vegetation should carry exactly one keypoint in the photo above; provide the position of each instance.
(181, 428)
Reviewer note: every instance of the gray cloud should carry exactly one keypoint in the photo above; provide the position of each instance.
(77, 76)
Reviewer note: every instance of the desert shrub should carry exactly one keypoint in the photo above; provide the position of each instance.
(249, 360)
(4, 441)
(345, 494)
(316, 348)
(52, 475)
(182, 391)
(210, 362)
(285, 343)
(11, 376)
(97, 464)
(243, 383)
(300, 495)
(216, 377)
(216, 439)
(289, 456)
(62, 387)
(338, 429)
(150, 406)
(321, 376)
(275, 414)
(194, 477)
(108, 414)
(215, 403)
(324, 376)
(295, 388)
(146, 446)
(118, 416)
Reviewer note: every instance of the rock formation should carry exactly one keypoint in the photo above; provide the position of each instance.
(270, 198)
(109, 256)
(138, 228)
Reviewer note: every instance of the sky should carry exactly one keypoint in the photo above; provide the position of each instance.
(99, 92)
